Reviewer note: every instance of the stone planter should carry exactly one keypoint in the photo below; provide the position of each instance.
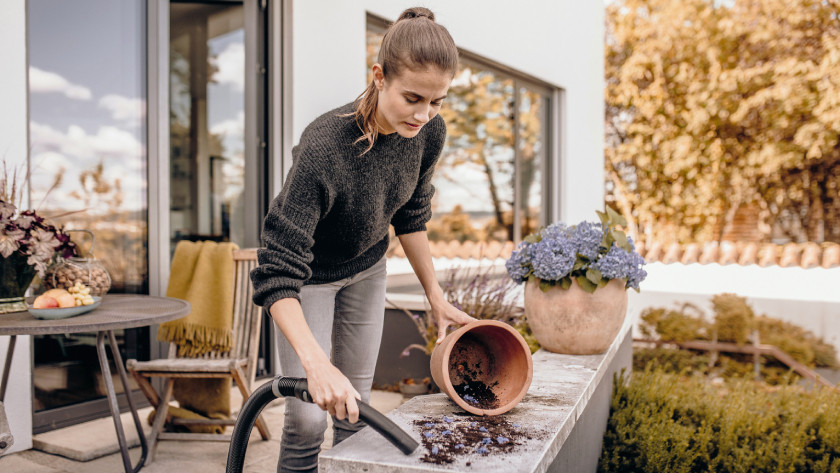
(485, 367)
(573, 321)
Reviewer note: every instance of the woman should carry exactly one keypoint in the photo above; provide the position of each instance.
(357, 170)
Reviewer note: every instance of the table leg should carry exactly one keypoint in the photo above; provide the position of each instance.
(7, 367)
(112, 400)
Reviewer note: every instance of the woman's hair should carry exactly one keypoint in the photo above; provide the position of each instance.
(413, 42)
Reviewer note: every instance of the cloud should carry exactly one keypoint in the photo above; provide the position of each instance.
(231, 66)
(41, 81)
(108, 142)
(127, 109)
(230, 127)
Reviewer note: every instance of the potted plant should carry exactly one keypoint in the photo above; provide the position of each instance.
(27, 245)
(576, 279)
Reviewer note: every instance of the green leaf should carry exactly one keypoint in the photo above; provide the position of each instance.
(615, 217)
(544, 286)
(603, 282)
(602, 216)
(593, 275)
(586, 284)
(566, 282)
(621, 239)
(532, 238)
(532, 279)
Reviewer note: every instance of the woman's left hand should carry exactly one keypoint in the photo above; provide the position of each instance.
(445, 315)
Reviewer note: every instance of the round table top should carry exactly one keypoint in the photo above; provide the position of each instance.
(117, 311)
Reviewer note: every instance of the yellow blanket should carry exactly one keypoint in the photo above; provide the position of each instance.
(202, 274)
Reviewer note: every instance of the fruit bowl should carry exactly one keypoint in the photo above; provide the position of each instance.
(57, 313)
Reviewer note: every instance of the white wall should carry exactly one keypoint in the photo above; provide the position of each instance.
(13, 148)
(559, 42)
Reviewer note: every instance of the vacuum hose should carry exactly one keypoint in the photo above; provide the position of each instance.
(283, 386)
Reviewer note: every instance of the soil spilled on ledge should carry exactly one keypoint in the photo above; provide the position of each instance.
(447, 438)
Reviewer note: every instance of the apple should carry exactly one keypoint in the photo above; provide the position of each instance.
(65, 300)
(54, 293)
(45, 302)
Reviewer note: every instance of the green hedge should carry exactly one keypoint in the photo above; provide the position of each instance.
(661, 422)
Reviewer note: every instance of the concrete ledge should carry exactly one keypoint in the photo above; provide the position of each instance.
(566, 410)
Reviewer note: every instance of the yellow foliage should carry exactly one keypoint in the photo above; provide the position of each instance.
(712, 105)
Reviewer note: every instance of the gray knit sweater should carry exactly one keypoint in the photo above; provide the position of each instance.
(331, 218)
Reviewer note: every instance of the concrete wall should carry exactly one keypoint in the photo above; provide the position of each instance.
(14, 150)
(559, 42)
(806, 297)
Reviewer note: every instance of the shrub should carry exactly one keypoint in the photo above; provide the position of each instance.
(670, 360)
(675, 325)
(663, 422)
(734, 322)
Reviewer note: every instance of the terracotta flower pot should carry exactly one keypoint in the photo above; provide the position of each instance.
(485, 367)
(573, 321)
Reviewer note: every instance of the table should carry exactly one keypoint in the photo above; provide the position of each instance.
(117, 311)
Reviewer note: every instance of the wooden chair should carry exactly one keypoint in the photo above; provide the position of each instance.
(240, 363)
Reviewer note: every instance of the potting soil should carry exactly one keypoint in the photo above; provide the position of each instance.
(477, 394)
(447, 438)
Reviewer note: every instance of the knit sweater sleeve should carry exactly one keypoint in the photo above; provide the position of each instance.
(288, 234)
(412, 216)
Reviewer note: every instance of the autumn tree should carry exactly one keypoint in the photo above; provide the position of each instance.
(715, 105)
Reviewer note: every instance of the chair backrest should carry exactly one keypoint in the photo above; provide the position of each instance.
(247, 316)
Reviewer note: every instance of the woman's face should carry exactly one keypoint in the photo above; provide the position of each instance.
(409, 100)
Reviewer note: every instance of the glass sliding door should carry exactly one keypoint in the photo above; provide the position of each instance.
(88, 162)
(211, 165)
(217, 119)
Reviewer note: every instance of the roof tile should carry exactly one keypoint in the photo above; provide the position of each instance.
(807, 255)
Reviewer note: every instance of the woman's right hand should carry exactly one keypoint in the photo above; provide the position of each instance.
(332, 391)
(329, 388)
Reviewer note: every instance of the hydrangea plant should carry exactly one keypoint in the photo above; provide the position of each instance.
(590, 253)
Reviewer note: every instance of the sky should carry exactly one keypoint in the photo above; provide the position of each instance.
(87, 95)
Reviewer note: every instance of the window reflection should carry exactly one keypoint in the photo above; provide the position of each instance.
(207, 102)
(87, 102)
(478, 180)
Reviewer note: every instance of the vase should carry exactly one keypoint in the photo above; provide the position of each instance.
(15, 277)
(573, 321)
(485, 367)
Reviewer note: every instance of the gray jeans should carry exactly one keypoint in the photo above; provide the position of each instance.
(346, 318)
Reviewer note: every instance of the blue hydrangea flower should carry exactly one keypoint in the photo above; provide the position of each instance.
(553, 259)
(586, 238)
(502, 440)
(482, 450)
(518, 264)
(614, 264)
(435, 450)
(636, 274)
(619, 264)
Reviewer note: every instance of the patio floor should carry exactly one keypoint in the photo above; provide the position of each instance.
(172, 456)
